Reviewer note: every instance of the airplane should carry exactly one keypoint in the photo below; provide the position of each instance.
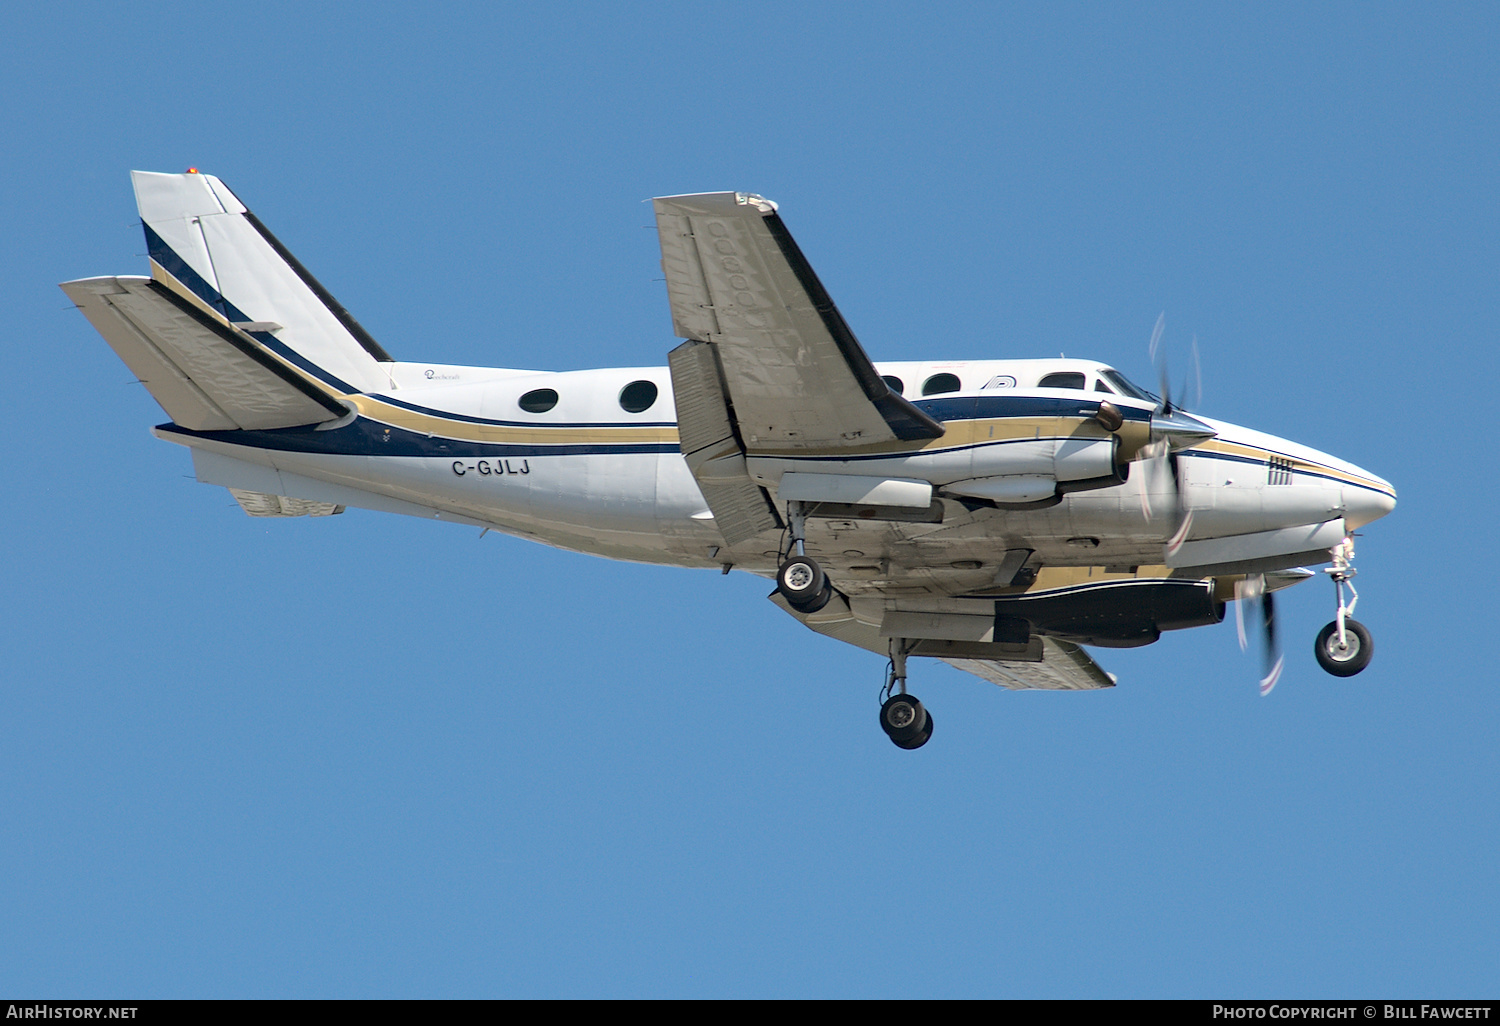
(994, 514)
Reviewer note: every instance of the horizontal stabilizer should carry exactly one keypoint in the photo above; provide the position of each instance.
(207, 375)
(259, 504)
(216, 468)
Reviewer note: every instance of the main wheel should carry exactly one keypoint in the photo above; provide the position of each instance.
(918, 741)
(815, 603)
(800, 581)
(904, 720)
(1350, 659)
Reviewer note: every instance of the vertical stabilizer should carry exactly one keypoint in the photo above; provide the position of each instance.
(212, 251)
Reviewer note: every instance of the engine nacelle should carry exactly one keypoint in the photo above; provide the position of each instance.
(1111, 614)
(1036, 471)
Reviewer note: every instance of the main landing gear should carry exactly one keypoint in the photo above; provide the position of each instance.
(903, 718)
(807, 589)
(800, 579)
(1344, 647)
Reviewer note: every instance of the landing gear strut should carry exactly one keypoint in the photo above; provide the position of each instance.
(903, 718)
(800, 579)
(1344, 647)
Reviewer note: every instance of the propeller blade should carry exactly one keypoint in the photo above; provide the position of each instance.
(1253, 589)
(1153, 475)
(1195, 397)
(1184, 516)
(1184, 528)
(1159, 361)
(1274, 659)
(1170, 431)
(1239, 613)
(1246, 590)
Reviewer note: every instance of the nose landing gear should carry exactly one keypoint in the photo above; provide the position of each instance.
(1344, 647)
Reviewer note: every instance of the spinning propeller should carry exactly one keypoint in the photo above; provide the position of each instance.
(1171, 430)
(1253, 589)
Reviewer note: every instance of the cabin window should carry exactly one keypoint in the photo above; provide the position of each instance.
(1001, 381)
(1063, 379)
(538, 400)
(897, 385)
(638, 396)
(940, 383)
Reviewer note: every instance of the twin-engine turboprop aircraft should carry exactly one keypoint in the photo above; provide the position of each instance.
(996, 514)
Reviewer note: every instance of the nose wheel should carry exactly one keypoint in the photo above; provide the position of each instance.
(1347, 655)
(1344, 647)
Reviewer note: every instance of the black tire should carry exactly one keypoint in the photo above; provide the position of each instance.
(918, 741)
(800, 581)
(904, 719)
(816, 603)
(1355, 657)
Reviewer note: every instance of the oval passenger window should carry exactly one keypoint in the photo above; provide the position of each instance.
(940, 383)
(897, 385)
(638, 396)
(538, 400)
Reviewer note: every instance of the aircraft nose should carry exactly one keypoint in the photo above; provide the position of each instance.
(1367, 501)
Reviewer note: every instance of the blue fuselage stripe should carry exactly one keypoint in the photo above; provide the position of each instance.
(464, 418)
(366, 437)
(1300, 470)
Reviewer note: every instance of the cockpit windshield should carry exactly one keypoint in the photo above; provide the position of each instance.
(1124, 386)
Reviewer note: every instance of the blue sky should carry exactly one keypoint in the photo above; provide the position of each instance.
(370, 756)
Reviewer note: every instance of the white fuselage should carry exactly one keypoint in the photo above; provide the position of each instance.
(585, 473)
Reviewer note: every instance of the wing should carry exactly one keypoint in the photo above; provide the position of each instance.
(1063, 667)
(793, 373)
(1042, 664)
